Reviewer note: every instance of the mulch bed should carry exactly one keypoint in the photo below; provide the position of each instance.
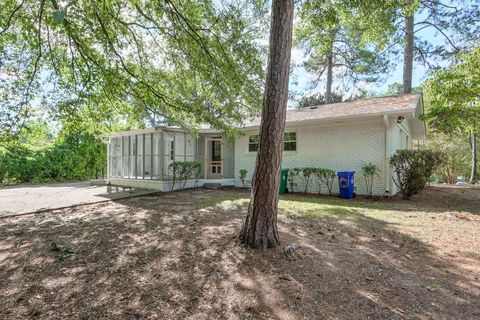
(168, 257)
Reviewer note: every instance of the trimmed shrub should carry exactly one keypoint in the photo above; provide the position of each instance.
(308, 174)
(242, 176)
(182, 170)
(325, 176)
(413, 168)
(369, 171)
(292, 177)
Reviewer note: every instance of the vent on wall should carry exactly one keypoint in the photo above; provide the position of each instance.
(316, 107)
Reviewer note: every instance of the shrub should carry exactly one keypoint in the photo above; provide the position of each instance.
(182, 170)
(307, 175)
(325, 176)
(413, 168)
(196, 167)
(292, 176)
(242, 176)
(369, 170)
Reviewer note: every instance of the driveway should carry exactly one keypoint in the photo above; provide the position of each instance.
(35, 198)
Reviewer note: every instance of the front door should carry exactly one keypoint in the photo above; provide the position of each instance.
(214, 160)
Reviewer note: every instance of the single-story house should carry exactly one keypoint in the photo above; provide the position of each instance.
(340, 136)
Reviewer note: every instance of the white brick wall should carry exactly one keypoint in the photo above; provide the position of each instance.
(343, 146)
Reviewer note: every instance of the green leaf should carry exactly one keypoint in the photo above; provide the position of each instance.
(58, 16)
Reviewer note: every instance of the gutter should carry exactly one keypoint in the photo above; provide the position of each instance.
(388, 182)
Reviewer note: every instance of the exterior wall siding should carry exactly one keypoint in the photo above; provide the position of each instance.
(343, 146)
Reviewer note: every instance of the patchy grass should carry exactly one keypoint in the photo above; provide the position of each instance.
(175, 256)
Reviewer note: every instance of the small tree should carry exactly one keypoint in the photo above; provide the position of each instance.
(292, 177)
(369, 170)
(307, 176)
(413, 168)
(327, 177)
(242, 176)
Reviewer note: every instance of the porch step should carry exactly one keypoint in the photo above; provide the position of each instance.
(212, 185)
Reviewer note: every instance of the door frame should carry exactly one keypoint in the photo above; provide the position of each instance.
(206, 161)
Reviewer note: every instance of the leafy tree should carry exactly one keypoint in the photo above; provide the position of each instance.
(188, 62)
(260, 227)
(453, 103)
(344, 38)
(396, 88)
(455, 151)
(317, 100)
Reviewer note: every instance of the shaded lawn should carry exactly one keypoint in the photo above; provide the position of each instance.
(176, 256)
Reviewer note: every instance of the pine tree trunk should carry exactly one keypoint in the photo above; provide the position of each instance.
(328, 89)
(473, 147)
(260, 227)
(408, 54)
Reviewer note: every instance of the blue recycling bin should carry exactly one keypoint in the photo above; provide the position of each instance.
(346, 184)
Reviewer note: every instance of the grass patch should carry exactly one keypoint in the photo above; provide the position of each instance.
(62, 252)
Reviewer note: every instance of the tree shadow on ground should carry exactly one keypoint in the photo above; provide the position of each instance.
(434, 199)
(171, 256)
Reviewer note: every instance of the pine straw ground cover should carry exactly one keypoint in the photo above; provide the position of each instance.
(175, 256)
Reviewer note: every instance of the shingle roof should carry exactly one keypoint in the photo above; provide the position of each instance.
(405, 103)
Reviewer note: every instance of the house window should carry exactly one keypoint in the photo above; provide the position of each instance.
(253, 143)
(289, 142)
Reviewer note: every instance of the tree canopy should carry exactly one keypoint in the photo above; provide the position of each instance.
(344, 40)
(452, 96)
(186, 61)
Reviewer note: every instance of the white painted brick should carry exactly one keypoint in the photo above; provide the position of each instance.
(344, 146)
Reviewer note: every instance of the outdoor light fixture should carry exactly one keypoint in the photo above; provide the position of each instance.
(400, 119)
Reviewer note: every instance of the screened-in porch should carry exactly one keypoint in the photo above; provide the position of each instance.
(147, 154)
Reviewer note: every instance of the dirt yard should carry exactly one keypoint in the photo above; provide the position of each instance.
(175, 256)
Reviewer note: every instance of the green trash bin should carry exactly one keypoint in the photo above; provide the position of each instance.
(283, 180)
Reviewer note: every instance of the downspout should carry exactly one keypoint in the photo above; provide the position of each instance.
(108, 161)
(388, 182)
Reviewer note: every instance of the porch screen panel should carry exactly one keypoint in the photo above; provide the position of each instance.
(115, 157)
(139, 157)
(147, 171)
(125, 156)
(132, 156)
(156, 173)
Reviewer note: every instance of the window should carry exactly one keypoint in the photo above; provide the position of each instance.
(253, 143)
(289, 142)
